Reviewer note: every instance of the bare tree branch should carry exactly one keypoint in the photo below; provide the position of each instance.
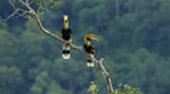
(11, 15)
(106, 75)
(16, 12)
(77, 48)
(26, 11)
(12, 4)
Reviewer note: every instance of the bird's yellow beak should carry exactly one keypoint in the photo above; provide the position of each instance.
(65, 21)
(92, 36)
(65, 17)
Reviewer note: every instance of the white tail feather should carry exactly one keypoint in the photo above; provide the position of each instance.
(66, 48)
(90, 64)
(66, 56)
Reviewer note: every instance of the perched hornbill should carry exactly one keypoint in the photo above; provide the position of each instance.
(89, 48)
(66, 34)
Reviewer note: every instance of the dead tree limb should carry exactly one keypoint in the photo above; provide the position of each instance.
(99, 63)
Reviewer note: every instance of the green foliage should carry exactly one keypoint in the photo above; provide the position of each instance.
(11, 78)
(93, 88)
(126, 89)
(122, 89)
(44, 83)
(45, 3)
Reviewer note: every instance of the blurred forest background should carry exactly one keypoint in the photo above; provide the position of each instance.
(134, 40)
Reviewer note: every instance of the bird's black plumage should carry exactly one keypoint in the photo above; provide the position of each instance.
(89, 49)
(66, 34)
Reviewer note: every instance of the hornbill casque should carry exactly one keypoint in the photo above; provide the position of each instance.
(66, 34)
(89, 48)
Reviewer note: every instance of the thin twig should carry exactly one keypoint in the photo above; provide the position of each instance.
(11, 15)
(16, 12)
(21, 15)
(26, 11)
(12, 4)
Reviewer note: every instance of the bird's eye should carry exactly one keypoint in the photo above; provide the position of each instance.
(88, 39)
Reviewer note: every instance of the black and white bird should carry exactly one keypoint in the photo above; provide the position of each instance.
(66, 34)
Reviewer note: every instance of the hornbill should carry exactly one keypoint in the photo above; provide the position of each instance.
(89, 49)
(66, 34)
